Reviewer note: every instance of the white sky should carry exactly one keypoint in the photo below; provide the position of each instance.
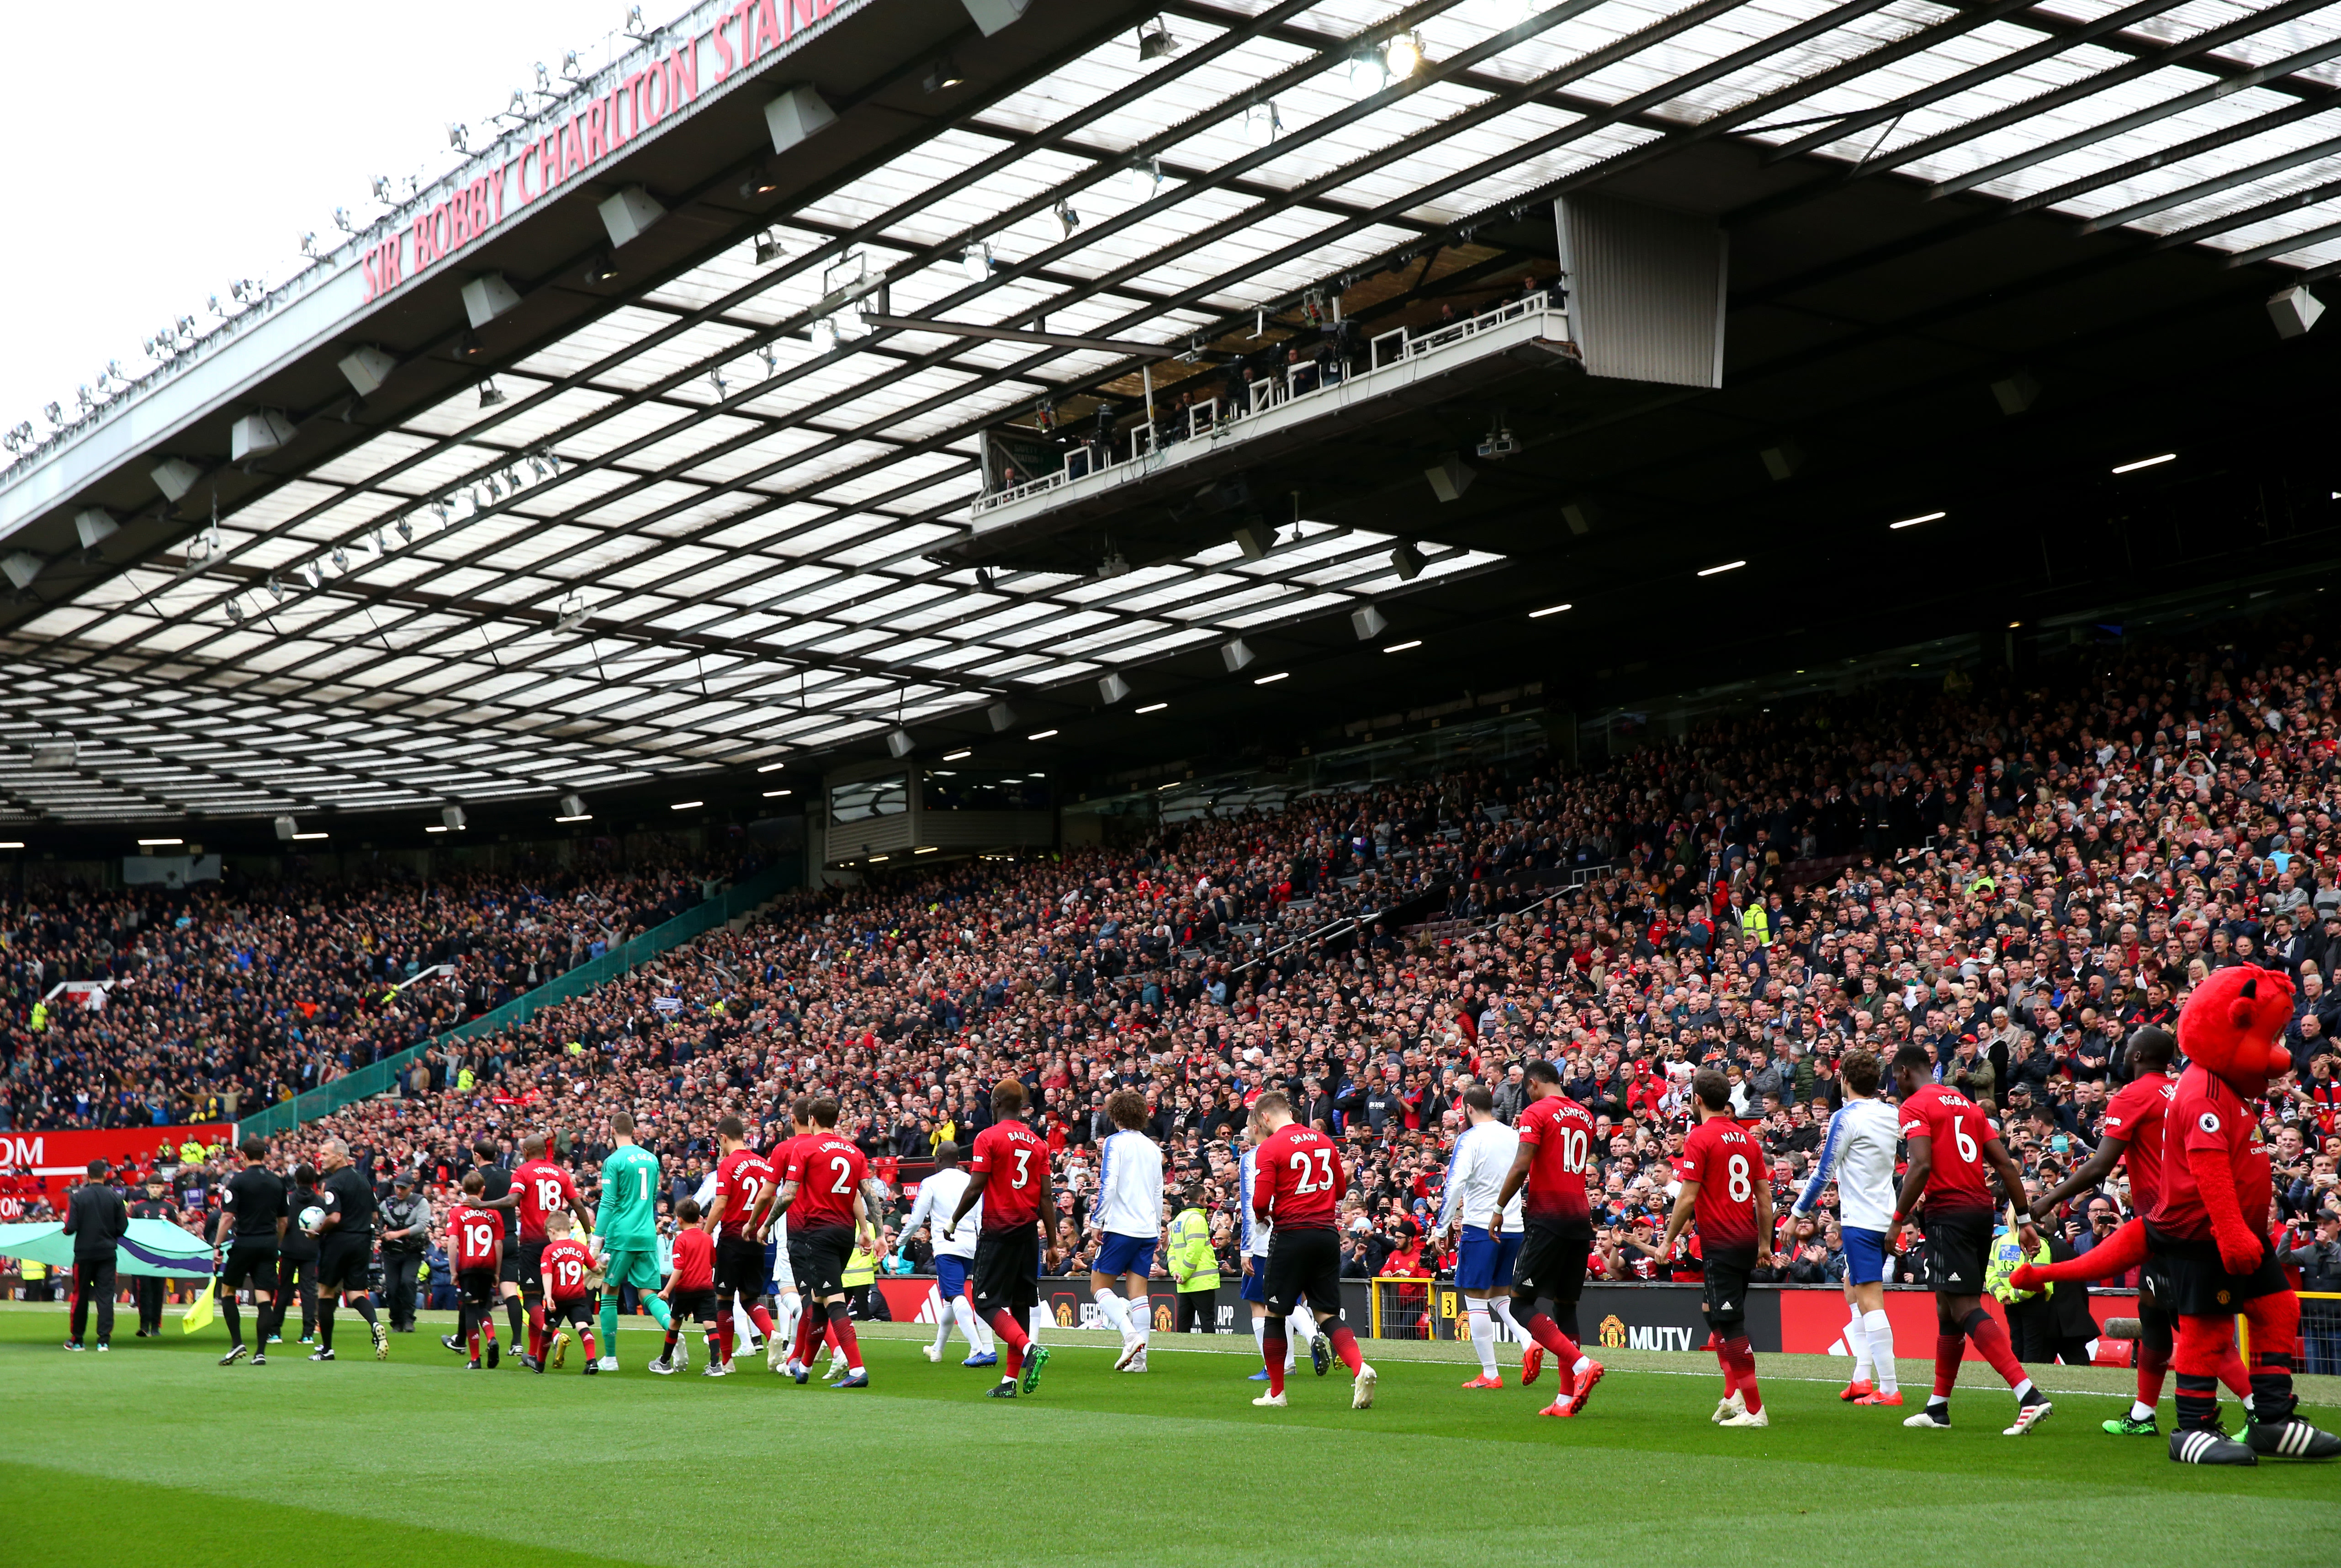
(161, 150)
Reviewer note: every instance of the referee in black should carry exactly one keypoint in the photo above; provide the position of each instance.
(254, 1216)
(344, 1248)
(97, 1219)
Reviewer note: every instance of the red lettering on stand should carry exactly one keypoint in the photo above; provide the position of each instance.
(722, 46)
(520, 175)
(459, 222)
(496, 186)
(573, 150)
(681, 78)
(768, 28)
(592, 120)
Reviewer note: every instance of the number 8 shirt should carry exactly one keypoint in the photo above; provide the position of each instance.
(1719, 1156)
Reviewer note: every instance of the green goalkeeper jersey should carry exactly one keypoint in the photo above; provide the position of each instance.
(628, 1218)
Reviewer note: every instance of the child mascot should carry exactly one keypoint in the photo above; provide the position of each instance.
(2207, 1259)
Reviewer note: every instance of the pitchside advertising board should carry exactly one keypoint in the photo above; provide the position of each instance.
(56, 1161)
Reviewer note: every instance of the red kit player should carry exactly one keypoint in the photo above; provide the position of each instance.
(1726, 1193)
(1299, 1180)
(1008, 1173)
(1557, 1234)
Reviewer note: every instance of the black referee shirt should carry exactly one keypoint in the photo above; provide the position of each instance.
(255, 1195)
(350, 1195)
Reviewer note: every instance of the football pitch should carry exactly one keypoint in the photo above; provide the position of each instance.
(151, 1452)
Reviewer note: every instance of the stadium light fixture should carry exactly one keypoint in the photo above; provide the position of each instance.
(1151, 708)
(1717, 570)
(2146, 463)
(686, 805)
(1368, 73)
(434, 827)
(490, 392)
(306, 837)
(12, 844)
(1549, 610)
(1039, 735)
(1272, 677)
(1158, 45)
(959, 755)
(975, 263)
(581, 816)
(778, 793)
(159, 842)
(1402, 648)
(1403, 56)
(1914, 522)
(771, 768)
(601, 268)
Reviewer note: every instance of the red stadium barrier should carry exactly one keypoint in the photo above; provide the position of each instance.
(50, 1163)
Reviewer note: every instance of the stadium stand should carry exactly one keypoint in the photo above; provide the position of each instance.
(2014, 877)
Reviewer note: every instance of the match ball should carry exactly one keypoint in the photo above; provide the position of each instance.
(312, 1217)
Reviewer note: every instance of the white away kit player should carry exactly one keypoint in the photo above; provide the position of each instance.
(937, 1201)
(1484, 1152)
(1859, 1153)
(1128, 1215)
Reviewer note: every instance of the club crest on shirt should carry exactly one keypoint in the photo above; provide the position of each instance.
(1613, 1333)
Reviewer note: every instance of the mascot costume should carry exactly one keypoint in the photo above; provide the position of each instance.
(2206, 1258)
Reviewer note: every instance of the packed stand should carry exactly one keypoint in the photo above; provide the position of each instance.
(223, 999)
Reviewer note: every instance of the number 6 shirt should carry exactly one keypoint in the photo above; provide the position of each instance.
(1018, 1164)
(1561, 1131)
(1721, 1158)
(1300, 1179)
(1956, 1179)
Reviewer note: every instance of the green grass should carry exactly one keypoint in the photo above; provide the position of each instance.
(154, 1451)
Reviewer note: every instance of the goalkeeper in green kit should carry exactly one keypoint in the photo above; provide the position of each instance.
(626, 1224)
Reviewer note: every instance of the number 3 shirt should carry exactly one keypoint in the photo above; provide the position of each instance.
(1300, 1179)
(1719, 1156)
(1561, 1131)
(1018, 1164)
(1955, 1124)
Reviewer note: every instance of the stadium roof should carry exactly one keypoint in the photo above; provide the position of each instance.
(673, 506)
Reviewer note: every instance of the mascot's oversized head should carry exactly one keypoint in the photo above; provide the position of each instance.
(2233, 1023)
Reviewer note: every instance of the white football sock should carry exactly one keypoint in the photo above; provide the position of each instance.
(1502, 1307)
(1483, 1335)
(1260, 1336)
(1109, 1308)
(1138, 1314)
(979, 1338)
(942, 1318)
(1879, 1330)
(2140, 1411)
(1299, 1328)
(784, 1318)
(1857, 1339)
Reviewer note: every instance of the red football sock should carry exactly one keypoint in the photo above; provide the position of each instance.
(2151, 1366)
(1345, 1345)
(1730, 1372)
(1274, 1345)
(828, 1334)
(586, 1334)
(1546, 1333)
(1013, 1338)
(724, 1340)
(1990, 1337)
(1950, 1347)
(807, 1324)
(849, 1342)
(1743, 1369)
(474, 1343)
(763, 1320)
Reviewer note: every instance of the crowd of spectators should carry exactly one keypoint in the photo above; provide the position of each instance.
(227, 997)
(2014, 875)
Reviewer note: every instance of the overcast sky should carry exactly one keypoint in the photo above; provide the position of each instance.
(159, 149)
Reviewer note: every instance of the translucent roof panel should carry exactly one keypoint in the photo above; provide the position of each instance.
(709, 524)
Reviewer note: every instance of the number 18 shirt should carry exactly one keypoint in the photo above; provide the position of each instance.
(1561, 1131)
(1955, 1180)
(1018, 1164)
(1721, 1158)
